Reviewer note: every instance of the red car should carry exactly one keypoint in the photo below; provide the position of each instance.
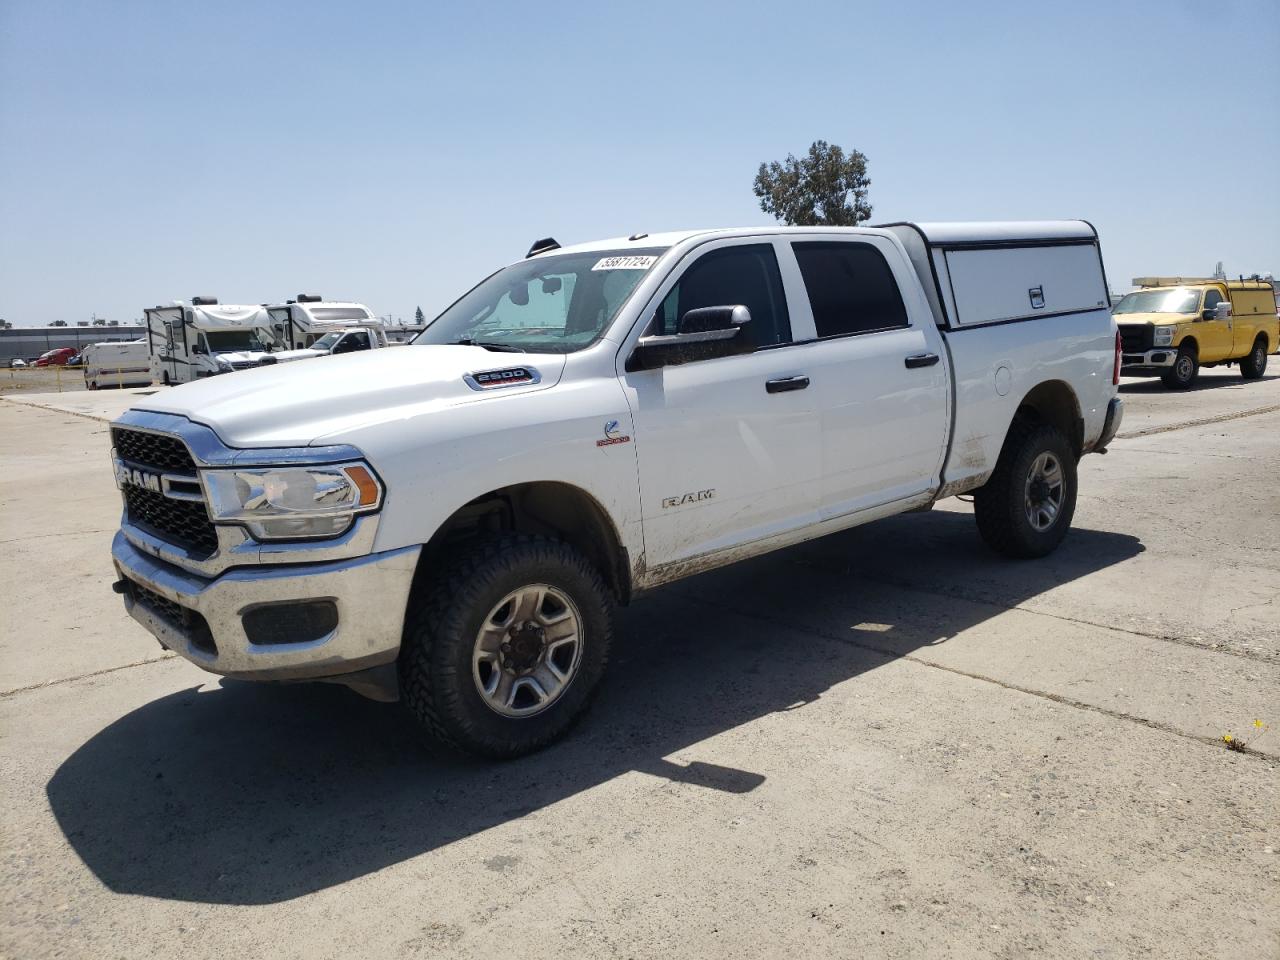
(56, 358)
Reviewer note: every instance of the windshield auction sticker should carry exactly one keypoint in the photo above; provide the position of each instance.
(624, 263)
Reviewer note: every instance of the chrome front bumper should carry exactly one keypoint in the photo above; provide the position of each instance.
(207, 626)
(1160, 358)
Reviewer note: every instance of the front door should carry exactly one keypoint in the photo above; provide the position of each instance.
(1214, 337)
(727, 448)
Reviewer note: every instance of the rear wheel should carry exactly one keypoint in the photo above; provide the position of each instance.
(504, 650)
(1255, 364)
(1025, 509)
(1186, 367)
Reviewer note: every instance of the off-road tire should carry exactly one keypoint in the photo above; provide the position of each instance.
(1255, 364)
(1185, 369)
(1000, 505)
(444, 616)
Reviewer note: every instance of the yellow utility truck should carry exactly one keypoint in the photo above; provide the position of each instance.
(1170, 327)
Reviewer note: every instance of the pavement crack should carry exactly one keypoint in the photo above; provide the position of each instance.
(890, 654)
(1162, 637)
(1203, 421)
(85, 676)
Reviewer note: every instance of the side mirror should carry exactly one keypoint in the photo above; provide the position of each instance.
(704, 334)
(1222, 311)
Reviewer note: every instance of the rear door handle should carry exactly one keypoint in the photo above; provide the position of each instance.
(785, 384)
(921, 360)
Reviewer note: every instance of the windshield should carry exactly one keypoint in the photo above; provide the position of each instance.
(326, 342)
(546, 305)
(1180, 300)
(223, 341)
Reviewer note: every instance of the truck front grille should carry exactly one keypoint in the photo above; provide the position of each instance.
(1136, 337)
(155, 450)
(184, 523)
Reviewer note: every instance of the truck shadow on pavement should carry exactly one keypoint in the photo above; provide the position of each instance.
(1205, 381)
(250, 794)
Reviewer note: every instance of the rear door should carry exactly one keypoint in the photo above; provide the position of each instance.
(879, 373)
(728, 448)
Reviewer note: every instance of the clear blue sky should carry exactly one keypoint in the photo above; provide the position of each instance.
(394, 152)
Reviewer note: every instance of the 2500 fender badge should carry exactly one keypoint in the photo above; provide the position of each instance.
(687, 498)
(612, 434)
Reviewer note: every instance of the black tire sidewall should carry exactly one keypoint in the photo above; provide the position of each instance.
(469, 723)
(1172, 378)
(1254, 365)
(1001, 507)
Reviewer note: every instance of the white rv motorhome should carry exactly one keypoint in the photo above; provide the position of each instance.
(201, 339)
(297, 324)
(121, 363)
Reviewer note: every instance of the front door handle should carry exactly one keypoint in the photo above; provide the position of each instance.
(921, 360)
(785, 384)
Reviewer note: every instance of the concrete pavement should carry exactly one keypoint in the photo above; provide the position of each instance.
(888, 743)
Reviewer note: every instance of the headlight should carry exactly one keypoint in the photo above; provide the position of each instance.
(1164, 336)
(292, 503)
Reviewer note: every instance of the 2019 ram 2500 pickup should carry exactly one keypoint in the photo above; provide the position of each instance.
(452, 524)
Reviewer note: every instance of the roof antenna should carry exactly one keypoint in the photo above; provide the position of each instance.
(542, 246)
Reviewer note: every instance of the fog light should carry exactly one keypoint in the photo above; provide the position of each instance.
(304, 621)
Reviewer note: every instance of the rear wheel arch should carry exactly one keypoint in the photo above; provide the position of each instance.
(1054, 403)
(554, 509)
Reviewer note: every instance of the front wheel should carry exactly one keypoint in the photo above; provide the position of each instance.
(1186, 367)
(1025, 509)
(1255, 364)
(503, 651)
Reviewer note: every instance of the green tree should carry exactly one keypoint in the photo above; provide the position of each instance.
(58, 323)
(100, 322)
(825, 188)
(418, 317)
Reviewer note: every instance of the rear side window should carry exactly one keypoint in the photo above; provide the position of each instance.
(734, 276)
(851, 288)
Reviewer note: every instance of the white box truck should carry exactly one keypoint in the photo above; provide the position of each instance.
(452, 523)
(190, 341)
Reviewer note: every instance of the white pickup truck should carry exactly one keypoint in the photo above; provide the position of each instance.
(337, 342)
(452, 524)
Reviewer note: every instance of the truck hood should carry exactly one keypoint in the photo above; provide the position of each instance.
(298, 404)
(306, 353)
(1161, 318)
(240, 356)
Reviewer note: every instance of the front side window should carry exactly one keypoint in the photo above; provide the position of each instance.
(744, 276)
(851, 288)
(549, 304)
(353, 342)
(1211, 299)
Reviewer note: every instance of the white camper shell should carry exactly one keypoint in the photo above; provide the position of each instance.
(118, 363)
(201, 339)
(297, 324)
